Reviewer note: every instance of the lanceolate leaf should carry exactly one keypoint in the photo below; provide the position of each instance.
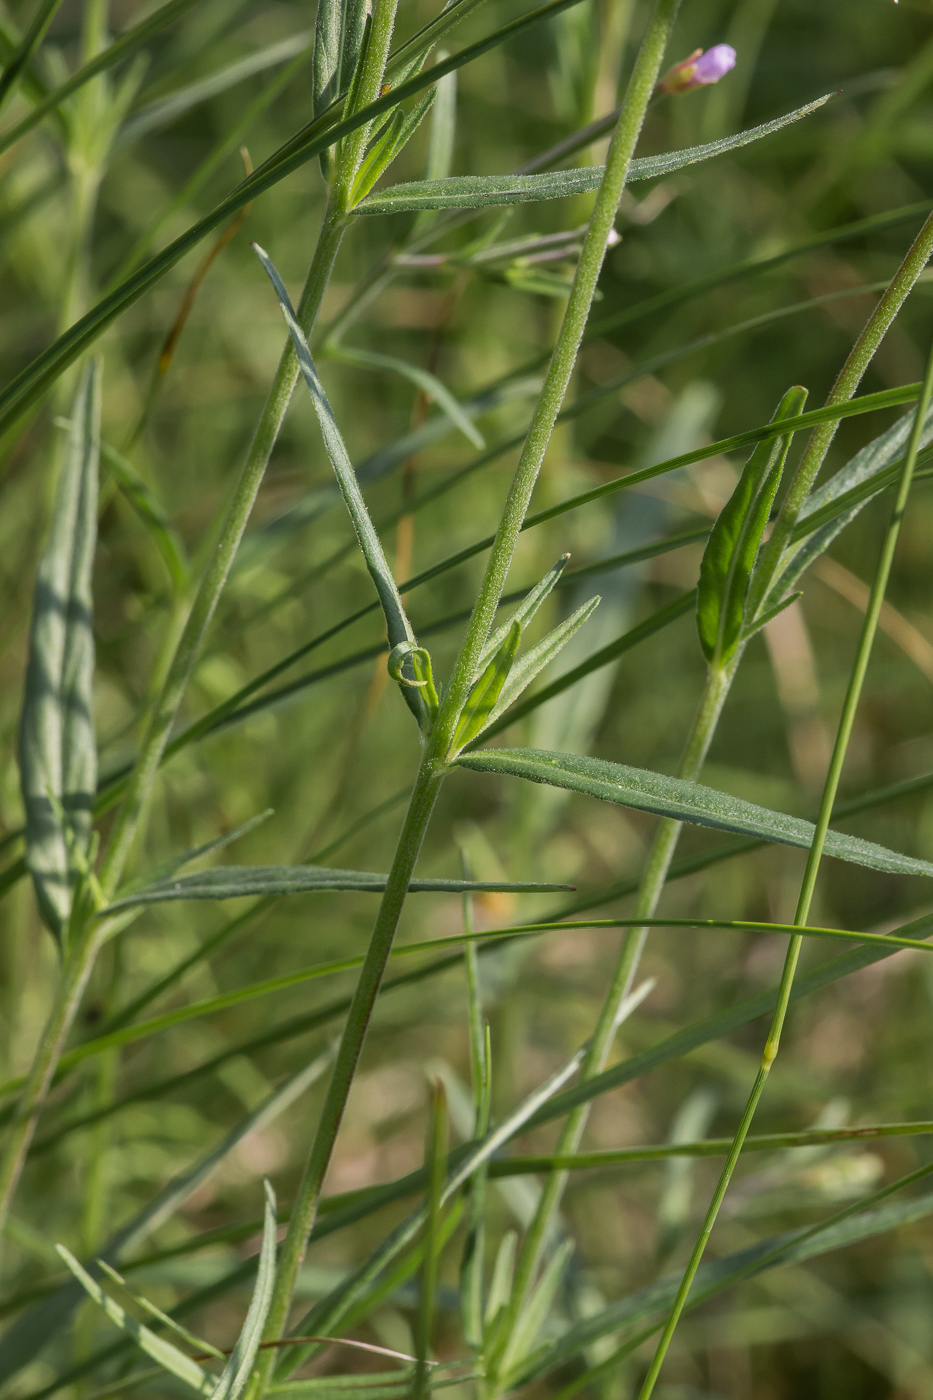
(57, 751)
(398, 628)
(237, 1371)
(733, 544)
(486, 690)
(525, 610)
(237, 881)
(535, 660)
(165, 1353)
(688, 802)
(491, 191)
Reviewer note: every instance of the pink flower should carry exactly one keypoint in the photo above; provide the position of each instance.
(699, 69)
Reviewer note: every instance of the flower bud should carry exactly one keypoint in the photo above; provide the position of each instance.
(699, 70)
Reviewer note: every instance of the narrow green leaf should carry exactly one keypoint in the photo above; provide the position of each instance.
(328, 43)
(500, 1285)
(534, 1315)
(535, 660)
(398, 627)
(237, 881)
(175, 863)
(176, 104)
(165, 1353)
(689, 802)
(399, 130)
(525, 611)
(57, 749)
(656, 622)
(436, 1149)
(486, 690)
(494, 191)
(237, 1372)
(196, 1343)
(433, 387)
(732, 549)
(151, 513)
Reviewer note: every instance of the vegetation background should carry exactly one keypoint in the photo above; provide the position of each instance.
(141, 153)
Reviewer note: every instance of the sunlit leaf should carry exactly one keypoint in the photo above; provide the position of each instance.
(684, 801)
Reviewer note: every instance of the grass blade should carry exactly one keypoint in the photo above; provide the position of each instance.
(237, 1372)
(238, 881)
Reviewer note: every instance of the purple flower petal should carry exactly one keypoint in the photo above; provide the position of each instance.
(714, 64)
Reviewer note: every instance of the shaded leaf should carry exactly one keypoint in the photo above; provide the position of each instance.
(688, 802)
(237, 881)
(730, 554)
(398, 627)
(176, 104)
(150, 512)
(57, 749)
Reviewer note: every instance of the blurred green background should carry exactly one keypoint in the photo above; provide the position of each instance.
(856, 1324)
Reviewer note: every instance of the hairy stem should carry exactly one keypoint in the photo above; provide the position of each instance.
(808, 885)
(304, 1208)
(641, 86)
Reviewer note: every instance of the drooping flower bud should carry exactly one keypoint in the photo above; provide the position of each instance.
(699, 70)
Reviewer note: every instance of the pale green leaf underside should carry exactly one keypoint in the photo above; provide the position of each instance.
(237, 881)
(493, 191)
(688, 802)
(57, 750)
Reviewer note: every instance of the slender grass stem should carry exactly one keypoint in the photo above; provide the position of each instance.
(808, 886)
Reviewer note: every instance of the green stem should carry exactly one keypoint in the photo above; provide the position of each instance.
(652, 885)
(215, 575)
(75, 973)
(304, 1209)
(808, 885)
(847, 381)
(641, 86)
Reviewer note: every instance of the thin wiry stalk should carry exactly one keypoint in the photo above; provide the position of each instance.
(808, 886)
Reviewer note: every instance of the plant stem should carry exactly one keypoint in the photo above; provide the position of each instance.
(77, 969)
(652, 885)
(304, 1208)
(808, 885)
(215, 575)
(641, 86)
